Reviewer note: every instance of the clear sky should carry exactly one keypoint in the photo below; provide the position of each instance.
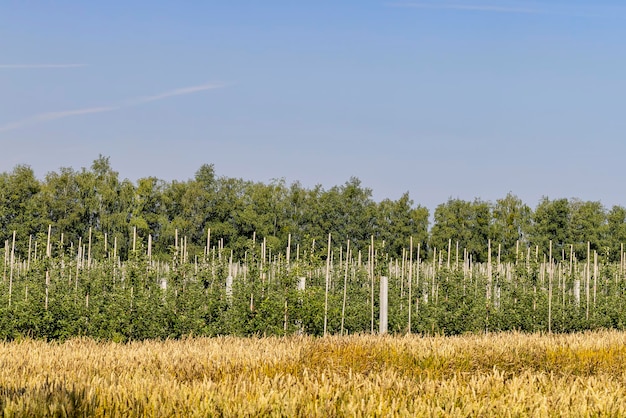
(459, 98)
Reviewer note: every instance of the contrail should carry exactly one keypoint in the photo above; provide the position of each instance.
(38, 66)
(50, 116)
(86, 111)
(563, 10)
(467, 7)
(44, 117)
(172, 93)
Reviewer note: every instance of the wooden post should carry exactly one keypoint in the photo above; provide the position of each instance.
(340, 257)
(12, 261)
(6, 260)
(47, 288)
(621, 259)
(536, 253)
(327, 284)
(285, 318)
(30, 242)
(345, 287)
(499, 256)
(371, 266)
(411, 281)
(562, 278)
(176, 242)
(77, 264)
(89, 251)
(417, 279)
(577, 292)
(208, 241)
(550, 276)
(149, 247)
(595, 277)
(288, 249)
(48, 247)
(587, 277)
(434, 269)
(489, 272)
(263, 261)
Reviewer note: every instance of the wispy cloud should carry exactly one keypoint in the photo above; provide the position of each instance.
(45, 117)
(172, 93)
(516, 7)
(38, 66)
(50, 116)
(86, 111)
(467, 7)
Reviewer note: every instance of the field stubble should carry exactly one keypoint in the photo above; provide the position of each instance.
(480, 375)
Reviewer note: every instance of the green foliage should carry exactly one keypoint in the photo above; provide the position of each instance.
(467, 223)
(99, 287)
(511, 225)
(551, 223)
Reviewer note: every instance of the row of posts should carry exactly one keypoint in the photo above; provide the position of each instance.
(384, 299)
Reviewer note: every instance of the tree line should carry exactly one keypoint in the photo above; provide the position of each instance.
(74, 202)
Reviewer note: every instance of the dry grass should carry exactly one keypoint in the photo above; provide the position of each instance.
(490, 375)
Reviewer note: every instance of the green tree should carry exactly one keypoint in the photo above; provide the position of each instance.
(616, 231)
(347, 212)
(111, 203)
(21, 208)
(62, 197)
(265, 212)
(398, 221)
(148, 211)
(229, 202)
(587, 223)
(467, 223)
(352, 214)
(551, 222)
(511, 223)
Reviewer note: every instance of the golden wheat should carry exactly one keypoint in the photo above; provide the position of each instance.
(487, 375)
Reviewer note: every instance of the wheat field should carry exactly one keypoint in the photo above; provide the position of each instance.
(505, 374)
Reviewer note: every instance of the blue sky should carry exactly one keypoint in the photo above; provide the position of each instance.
(441, 99)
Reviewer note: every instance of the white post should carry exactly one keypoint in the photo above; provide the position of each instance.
(384, 296)
(301, 288)
(11, 267)
(149, 248)
(327, 286)
(229, 287)
(345, 287)
(288, 249)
